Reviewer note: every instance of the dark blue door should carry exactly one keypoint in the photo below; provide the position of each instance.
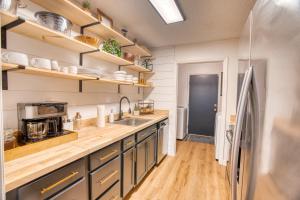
(203, 101)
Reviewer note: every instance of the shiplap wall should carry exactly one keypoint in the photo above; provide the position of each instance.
(165, 79)
(32, 88)
(164, 92)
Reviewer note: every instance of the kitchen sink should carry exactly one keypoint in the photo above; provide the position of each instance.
(131, 121)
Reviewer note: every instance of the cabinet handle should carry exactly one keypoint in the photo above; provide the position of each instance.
(108, 155)
(105, 179)
(130, 143)
(44, 190)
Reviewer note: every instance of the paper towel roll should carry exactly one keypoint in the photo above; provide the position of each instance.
(101, 115)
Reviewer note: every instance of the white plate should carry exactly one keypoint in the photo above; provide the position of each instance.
(120, 72)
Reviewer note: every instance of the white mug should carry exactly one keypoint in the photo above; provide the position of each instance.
(41, 63)
(15, 58)
(73, 69)
(65, 70)
(54, 65)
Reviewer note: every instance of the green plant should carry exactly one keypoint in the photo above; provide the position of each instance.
(86, 5)
(112, 47)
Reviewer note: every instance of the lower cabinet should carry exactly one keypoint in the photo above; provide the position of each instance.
(68, 182)
(141, 161)
(151, 149)
(128, 171)
(101, 175)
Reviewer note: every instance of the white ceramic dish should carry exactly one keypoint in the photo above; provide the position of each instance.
(15, 58)
(120, 72)
(42, 63)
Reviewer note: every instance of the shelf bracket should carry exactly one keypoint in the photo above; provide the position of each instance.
(87, 52)
(5, 76)
(119, 88)
(139, 89)
(88, 25)
(81, 83)
(5, 28)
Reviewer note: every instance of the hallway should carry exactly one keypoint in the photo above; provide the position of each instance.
(193, 174)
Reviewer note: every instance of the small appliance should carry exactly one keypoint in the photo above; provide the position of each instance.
(38, 121)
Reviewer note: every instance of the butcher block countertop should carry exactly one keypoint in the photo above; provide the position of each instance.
(90, 139)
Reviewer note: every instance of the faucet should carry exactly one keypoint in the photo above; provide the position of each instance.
(121, 112)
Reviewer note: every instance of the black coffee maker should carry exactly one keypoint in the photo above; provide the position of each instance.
(38, 121)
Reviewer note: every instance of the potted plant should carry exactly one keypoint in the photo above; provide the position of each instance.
(86, 6)
(113, 47)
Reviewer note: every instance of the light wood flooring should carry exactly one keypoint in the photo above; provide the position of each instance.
(193, 174)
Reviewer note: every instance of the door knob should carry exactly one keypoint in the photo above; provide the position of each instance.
(215, 109)
(215, 105)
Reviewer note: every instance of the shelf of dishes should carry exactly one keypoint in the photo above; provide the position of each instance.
(37, 31)
(84, 18)
(72, 73)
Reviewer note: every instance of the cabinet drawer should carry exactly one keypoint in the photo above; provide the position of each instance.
(76, 191)
(146, 132)
(50, 184)
(102, 156)
(113, 193)
(128, 142)
(104, 177)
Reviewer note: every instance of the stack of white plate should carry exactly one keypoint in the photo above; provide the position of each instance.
(120, 75)
(129, 78)
(135, 79)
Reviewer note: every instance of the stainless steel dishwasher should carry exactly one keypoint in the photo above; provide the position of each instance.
(162, 140)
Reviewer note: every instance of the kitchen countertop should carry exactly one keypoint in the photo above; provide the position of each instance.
(90, 139)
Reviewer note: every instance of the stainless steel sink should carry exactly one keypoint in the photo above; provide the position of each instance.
(131, 121)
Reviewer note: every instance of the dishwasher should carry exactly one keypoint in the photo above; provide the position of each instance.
(162, 140)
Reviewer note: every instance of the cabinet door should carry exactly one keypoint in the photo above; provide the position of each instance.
(141, 165)
(128, 171)
(151, 152)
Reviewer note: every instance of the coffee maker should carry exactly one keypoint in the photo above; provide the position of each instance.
(39, 121)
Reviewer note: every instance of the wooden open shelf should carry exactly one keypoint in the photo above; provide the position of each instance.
(7, 18)
(143, 85)
(111, 81)
(137, 50)
(45, 72)
(78, 16)
(36, 31)
(138, 68)
(102, 55)
(73, 12)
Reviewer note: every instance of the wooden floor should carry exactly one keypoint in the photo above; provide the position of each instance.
(193, 174)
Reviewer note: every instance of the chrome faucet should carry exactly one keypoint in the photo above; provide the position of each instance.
(121, 112)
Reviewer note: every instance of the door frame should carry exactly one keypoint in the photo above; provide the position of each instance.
(223, 158)
(188, 93)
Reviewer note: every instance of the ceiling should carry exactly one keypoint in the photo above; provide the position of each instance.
(206, 20)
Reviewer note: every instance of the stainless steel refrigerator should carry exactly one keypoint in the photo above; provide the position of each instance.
(265, 152)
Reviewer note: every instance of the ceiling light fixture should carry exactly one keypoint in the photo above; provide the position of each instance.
(168, 10)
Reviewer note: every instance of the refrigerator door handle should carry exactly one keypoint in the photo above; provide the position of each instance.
(237, 131)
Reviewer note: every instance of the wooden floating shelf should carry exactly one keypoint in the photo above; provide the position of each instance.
(73, 12)
(137, 50)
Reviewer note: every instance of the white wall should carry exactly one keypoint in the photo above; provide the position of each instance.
(31, 88)
(166, 64)
(184, 72)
